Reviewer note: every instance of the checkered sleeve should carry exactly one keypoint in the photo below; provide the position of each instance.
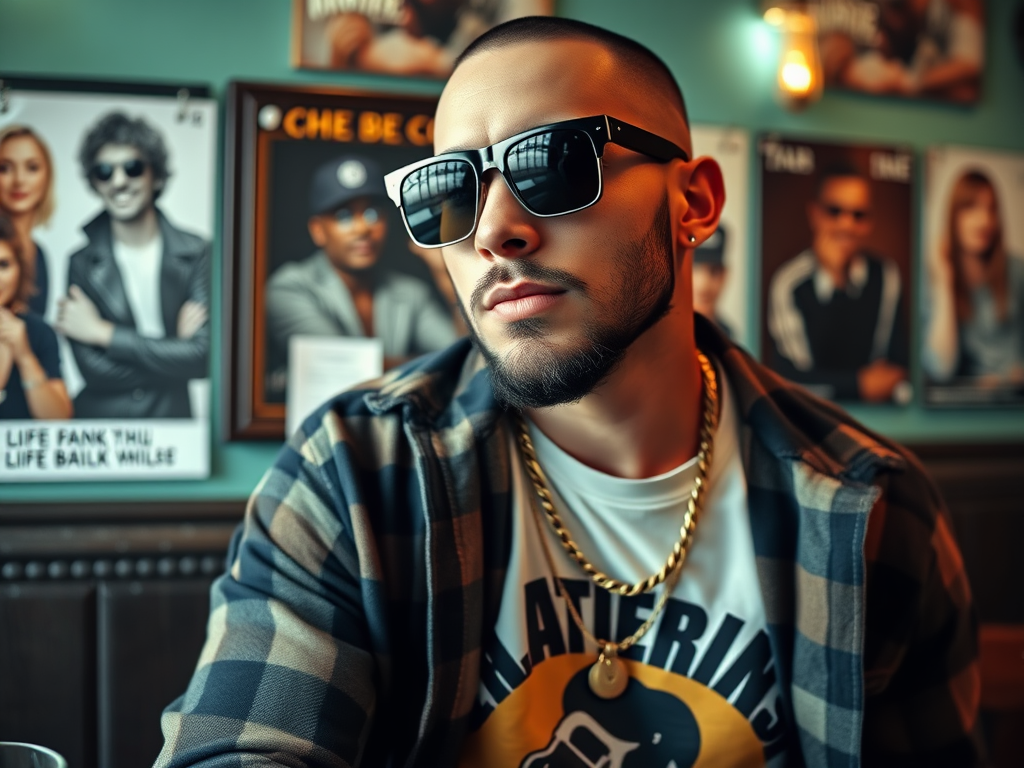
(286, 676)
(922, 684)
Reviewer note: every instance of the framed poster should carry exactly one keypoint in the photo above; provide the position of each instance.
(418, 38)
(313, 245)
(972, 278)
(721, 264)
(836, 244)
(106, 214)
(919, 49)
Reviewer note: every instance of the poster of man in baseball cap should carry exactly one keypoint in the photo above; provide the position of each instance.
(329, 256)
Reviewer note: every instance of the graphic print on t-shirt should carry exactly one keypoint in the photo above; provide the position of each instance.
(679, 706)
(703, 687)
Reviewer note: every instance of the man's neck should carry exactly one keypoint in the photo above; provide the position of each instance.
(138, 232)
(644, 420)
(356, 282)
(839, 275)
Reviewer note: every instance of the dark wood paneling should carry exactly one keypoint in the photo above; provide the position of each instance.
(48, 668)
(90, 513)
(150, 634)
(984, 489)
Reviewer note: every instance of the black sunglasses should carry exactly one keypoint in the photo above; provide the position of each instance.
(552, 170)
(105, 171)
(835, 211)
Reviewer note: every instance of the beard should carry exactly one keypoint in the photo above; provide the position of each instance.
(536, 373)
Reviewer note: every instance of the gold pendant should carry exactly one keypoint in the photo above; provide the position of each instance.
(609, 676)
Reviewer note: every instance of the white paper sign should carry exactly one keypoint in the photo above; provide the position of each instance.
(104, 449)
(319, 367)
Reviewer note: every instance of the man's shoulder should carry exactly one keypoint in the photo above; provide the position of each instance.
(178, 239)
(302, 273)
(792, 423)
(405, 287)
(794, 272)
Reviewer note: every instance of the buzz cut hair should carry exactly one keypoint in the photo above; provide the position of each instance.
(638, 61)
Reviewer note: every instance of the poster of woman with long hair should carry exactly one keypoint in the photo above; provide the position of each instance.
(973, 338)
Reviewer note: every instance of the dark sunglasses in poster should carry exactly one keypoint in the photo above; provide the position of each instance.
(835, 211)
(105, 171)
(553, 170)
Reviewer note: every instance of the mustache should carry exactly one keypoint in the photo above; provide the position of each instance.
(524, 269)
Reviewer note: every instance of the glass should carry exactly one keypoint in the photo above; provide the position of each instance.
(15, 754)
(553, 170)
(105, 171)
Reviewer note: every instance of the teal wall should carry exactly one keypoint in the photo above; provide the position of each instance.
(720, 50)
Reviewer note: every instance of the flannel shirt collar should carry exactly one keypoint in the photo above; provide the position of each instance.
(447, 386)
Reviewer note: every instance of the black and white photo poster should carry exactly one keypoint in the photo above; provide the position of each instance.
(106, 218)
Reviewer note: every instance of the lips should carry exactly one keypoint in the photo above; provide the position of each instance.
(502, 294)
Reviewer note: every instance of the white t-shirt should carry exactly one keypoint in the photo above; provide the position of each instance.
(703, 687)
(140, 274)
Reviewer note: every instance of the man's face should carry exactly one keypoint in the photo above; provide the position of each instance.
(555, 302)
(708, 282)
(841, 220)
(353, 235)
(124, 181)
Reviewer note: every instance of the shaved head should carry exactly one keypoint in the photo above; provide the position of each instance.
(633, 65)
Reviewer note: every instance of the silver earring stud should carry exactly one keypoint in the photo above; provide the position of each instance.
(693, 239)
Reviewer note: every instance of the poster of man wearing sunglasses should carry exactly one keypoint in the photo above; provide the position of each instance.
(127, 252)
(836, 243)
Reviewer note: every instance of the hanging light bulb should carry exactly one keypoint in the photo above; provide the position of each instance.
(799, 77)
(775, 15)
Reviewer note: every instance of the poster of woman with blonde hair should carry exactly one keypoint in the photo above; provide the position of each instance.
(973, 340)
(27, 200)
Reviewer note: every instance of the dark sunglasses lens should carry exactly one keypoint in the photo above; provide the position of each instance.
(440, 201)
(102, 171)
(835, 211)
(555, 172)
(134, 168)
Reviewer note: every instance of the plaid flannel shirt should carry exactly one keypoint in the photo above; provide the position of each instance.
(368, 569)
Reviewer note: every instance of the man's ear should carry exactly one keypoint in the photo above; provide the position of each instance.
(704, 192)
(316, 231)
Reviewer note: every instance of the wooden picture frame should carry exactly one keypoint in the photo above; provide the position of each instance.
(278, 138)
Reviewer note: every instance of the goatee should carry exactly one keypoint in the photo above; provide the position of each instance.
(537, 374)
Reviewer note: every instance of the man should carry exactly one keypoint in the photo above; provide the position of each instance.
(138, 300)
(396, 596)
(835, 311)
(340, 290)
(709, 275)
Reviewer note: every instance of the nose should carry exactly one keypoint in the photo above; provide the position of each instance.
(505, 228)
(119, 177)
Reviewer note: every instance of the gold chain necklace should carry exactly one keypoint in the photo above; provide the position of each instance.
(609, 677)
